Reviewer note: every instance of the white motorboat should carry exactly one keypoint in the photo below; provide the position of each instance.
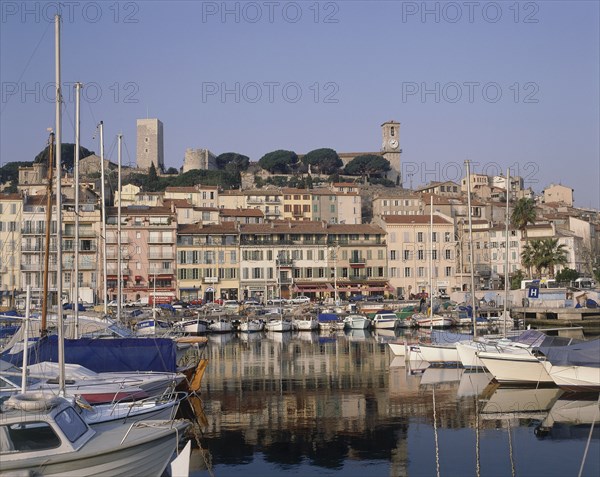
(49, 434)
(385, 319)
(278, 325)
(357, 322)
(514, 365)
(575, 367)
(252, 325)
(433, 321)
(194, 327)
(220, 325)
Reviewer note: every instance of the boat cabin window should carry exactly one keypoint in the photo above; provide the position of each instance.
(71, 424)
(28, 437)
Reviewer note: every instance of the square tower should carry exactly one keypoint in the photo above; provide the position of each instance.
(390, 149)
(150, 144)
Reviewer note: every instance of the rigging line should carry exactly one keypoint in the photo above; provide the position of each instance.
(29, 60)
(127, 153)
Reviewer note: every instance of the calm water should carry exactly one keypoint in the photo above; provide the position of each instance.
(308, 404)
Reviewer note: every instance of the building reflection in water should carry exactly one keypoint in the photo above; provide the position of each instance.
(326, 398)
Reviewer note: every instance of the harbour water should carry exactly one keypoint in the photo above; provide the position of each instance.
(308, 404)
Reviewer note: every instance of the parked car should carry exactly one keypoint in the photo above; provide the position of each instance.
(377, 298)
(357, 297)
(277, 301)
(300, 300)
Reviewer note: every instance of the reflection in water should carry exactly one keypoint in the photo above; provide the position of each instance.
(311, 403)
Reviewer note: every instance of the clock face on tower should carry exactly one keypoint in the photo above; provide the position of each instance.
(393, 143)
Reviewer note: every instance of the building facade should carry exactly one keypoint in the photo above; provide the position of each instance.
(150, 147)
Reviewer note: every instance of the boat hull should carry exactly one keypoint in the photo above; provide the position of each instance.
(574, 378)
(467, 354)
(438, 354)
(515, 368)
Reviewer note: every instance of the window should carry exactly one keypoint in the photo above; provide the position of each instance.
(71, 424)
(406, 255)
(434, 255)
(434, 236)
(447, 236)
(421, 272)
(392, 254)
(420, 254)
(419, 236)
(407, 272)
(448, 271)
(29, 437)
(448, 254)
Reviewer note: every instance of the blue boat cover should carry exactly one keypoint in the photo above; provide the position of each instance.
(586, 353)
(105, 355)
(326, 317)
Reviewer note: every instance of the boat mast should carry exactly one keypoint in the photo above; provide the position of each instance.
(119, 269)
(504, 312)
(76, 181)
(59, 285)
(472, 260)
(44, 324)
(103, 210)
(431, 262)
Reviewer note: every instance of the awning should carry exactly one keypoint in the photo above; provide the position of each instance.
(165, 276)
(312, 287)
(139, 278)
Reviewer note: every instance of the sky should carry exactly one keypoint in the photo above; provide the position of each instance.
(502, 84)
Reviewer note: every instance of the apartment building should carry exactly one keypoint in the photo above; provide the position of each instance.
(11, 219)
(421, 255)
(208, 261)
(148, 244)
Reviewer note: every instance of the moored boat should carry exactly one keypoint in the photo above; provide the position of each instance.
(37, 432)
(357, 322)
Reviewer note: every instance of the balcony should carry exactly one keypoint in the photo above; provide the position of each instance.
(115, 271)
(286, 281)
(210, 279)
(255, 200)
(161, 256)
(285, 262)
(356, 262)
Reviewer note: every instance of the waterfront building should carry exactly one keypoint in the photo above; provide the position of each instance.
(148, 244)
(410, 249)
(208, 261)
(11, 222)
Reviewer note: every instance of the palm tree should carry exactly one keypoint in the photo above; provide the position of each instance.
(543, 254)
(553, 254)
(523, 214)
(532, 257)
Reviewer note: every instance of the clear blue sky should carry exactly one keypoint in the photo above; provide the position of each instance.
(356, 64)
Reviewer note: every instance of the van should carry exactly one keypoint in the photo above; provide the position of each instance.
(582, 282)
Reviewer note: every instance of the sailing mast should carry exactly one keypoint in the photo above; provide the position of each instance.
(119, 269)
(76, 184)
(44, 324)
(505, 311)
(431, 262)
(103, 209)
(59, 285)
(474, 314)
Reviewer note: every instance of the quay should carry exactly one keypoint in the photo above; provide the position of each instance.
(588, 318)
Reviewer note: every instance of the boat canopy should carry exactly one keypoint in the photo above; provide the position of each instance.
(586, 353)
(105, 355)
